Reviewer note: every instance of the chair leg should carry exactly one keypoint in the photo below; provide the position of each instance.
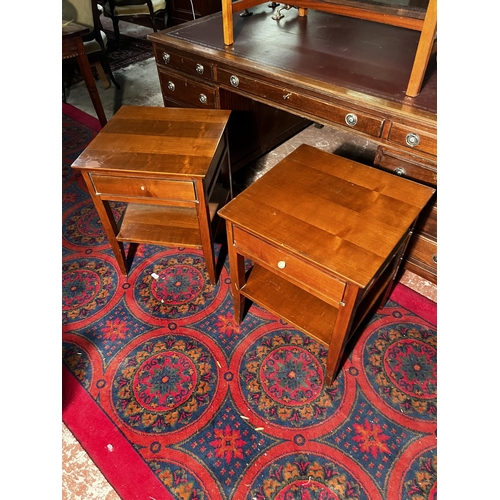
(116, 30)
(153, 24)
(102, 75)
(107, 68)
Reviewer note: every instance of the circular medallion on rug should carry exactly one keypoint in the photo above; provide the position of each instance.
(399, 367)
(82, 227)
(281, 380)
(324, 474)
(414, 476)
(185, 477)
(165, 384)
(174, 285)
(78, 362)
(89, 288)
(420, 481)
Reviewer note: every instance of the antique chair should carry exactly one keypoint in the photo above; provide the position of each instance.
(87, 13)
(129, 10)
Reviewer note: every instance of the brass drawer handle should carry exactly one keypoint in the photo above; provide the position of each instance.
(287, 96)
(199, 68)
(166, 58)
(171, 86)
(203, 98)
(400, 171)
(412, 139)
(351, 119)
(234, 80)
(282, 264)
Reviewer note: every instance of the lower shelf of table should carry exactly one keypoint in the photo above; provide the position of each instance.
(166, 225)
(296, 306)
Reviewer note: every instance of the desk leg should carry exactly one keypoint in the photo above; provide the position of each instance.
(83, 64)
(109, 224)
(237, 272)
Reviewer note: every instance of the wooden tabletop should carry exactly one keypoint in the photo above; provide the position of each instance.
(73, 29)
(141, 139)
(335, 213)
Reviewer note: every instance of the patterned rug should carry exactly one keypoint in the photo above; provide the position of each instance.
(173, 400)
(131, 50)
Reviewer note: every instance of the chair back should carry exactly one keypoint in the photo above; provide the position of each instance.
(124, 3)
(79, 11)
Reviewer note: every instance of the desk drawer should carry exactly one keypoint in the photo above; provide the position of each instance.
(135, 187)
(334, 112)
(423, 252)
(193, 94)
(416, 168)
(413, 139)
(317, 282)
(199, 68)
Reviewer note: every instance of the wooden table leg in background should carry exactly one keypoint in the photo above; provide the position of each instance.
(72, 46)
(88, 78)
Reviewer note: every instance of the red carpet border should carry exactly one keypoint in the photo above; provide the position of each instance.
(173, 400)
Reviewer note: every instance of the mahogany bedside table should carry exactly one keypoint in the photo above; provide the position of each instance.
(326, 236)
(166, 164)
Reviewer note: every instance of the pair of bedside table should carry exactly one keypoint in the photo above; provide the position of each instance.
(326, 235)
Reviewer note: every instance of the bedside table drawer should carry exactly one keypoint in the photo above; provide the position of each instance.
(316, 281)
(134, 187)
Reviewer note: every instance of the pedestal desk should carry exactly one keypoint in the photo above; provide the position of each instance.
(171, 167)
(326, 236)
(346, 73)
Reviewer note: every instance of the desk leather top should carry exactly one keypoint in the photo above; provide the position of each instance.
(364, 56)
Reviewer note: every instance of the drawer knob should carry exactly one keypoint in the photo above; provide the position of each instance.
(142, 188)
(351, 119)
(203, 98)
(199, 68)
(234, 80)
(171, 86)
(166, 58)
(435, 259)
(412, 139)
(400, 171)
(287, 96)
(282, 264)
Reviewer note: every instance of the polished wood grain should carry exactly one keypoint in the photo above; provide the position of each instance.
(326, 236)
(167, 164)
